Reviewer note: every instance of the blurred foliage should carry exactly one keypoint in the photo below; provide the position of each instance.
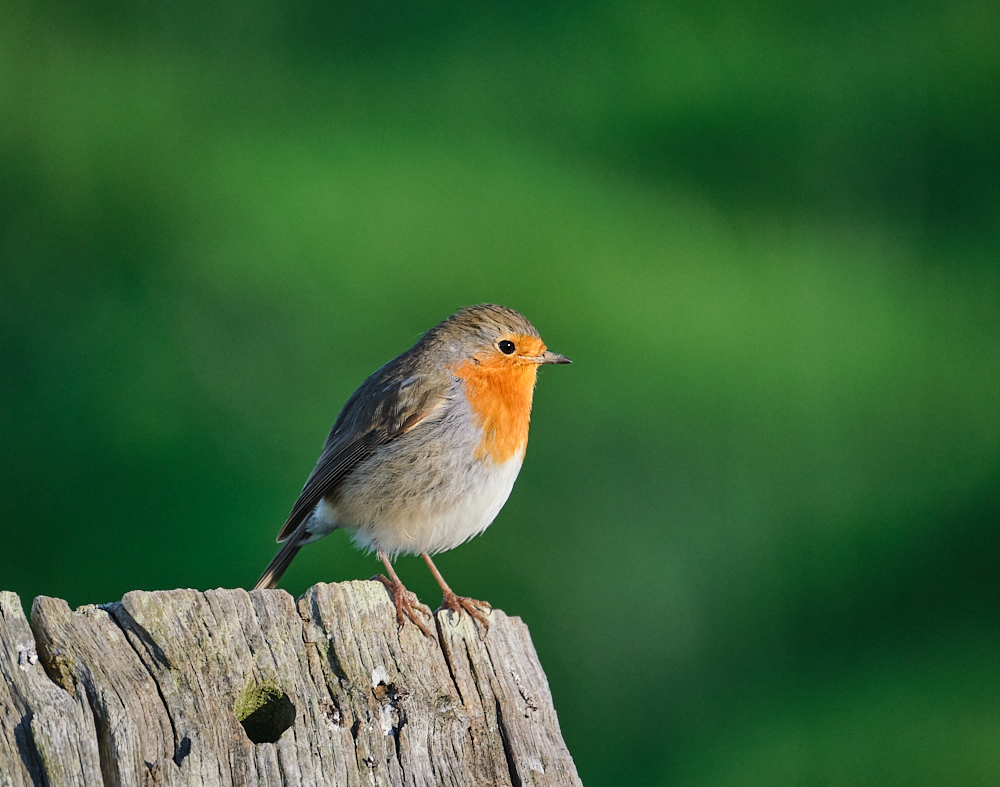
(756, 534)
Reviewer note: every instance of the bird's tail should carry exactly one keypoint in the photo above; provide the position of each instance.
(282, 560)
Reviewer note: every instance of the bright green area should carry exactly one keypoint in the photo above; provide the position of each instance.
(756, 534)
(254, 697)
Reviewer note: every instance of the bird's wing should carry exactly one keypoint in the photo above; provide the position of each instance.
(360, 429)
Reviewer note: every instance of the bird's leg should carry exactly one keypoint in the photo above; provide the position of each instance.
(406, 602)
(458, 603)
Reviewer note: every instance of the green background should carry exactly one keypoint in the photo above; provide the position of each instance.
(755, 537)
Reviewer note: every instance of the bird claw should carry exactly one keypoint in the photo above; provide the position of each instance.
(470, 605)
(407, 605)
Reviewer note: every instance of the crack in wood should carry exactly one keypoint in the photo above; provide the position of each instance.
(515, 778)
(133, 629)
(28, 750)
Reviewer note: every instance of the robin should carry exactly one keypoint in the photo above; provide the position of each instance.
(425, 453)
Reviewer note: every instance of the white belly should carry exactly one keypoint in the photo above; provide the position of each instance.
(422, 494)
(435, 522)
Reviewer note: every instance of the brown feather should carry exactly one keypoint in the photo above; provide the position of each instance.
(400, 407)
(280, 562)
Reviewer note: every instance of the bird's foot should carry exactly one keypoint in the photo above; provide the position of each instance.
(472, 606)
(407, 605)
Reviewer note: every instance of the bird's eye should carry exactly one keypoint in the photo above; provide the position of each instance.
(506, 346)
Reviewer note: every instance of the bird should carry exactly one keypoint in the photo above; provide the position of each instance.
(425, 452)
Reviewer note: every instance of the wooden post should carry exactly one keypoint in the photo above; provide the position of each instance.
(228, 687)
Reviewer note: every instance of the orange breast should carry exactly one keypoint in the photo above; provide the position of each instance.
(499, 389)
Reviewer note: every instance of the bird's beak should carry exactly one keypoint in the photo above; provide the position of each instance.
(550, 357)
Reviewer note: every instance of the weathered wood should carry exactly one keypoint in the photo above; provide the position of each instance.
(46, 735)
(227, 687)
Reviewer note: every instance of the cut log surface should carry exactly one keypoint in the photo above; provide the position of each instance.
(228, 687)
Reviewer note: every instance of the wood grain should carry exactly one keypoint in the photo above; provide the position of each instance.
(228, 687)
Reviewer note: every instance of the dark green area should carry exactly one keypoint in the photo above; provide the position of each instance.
(756, 534)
